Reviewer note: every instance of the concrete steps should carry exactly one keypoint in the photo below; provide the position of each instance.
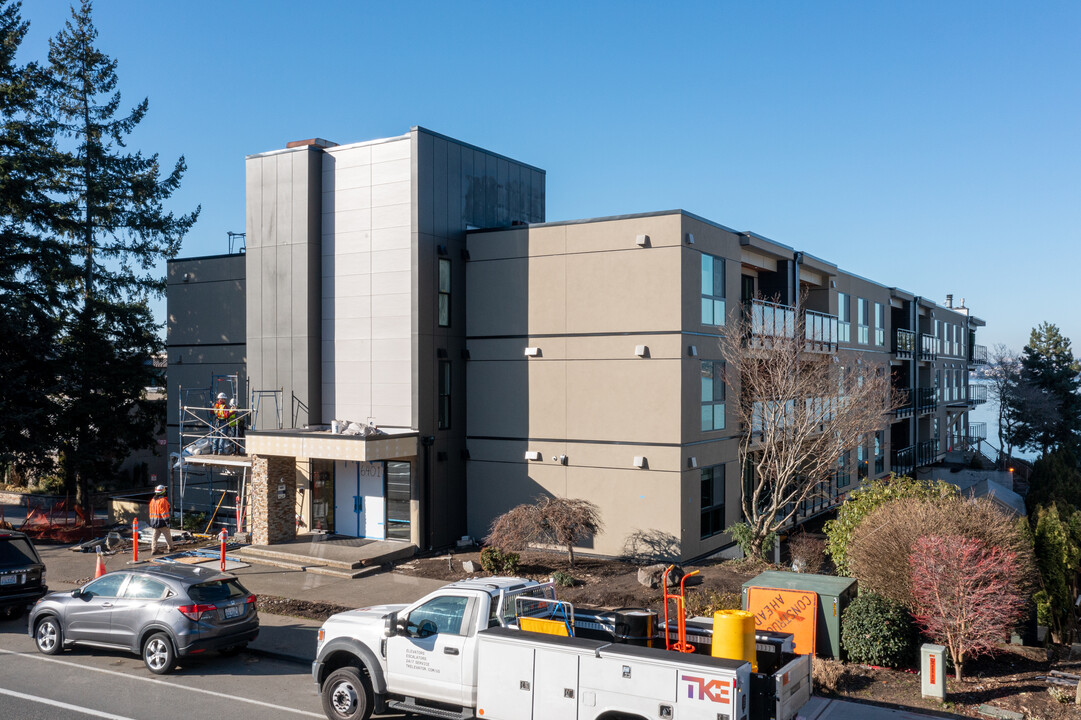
(321, 565)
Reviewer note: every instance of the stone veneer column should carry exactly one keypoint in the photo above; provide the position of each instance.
(273, 517)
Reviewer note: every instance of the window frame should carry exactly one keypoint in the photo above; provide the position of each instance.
(880, 324)
(717, 387)
(443, 395)
(844, 317)
(442, 295)
(711, 299)
(707, 514)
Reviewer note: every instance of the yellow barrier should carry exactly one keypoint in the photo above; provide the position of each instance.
(540, 625)
(733, 636)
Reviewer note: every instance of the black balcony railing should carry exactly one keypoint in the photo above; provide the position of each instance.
(903, 461)
(926, 399)
(927, 453)
(977, 355)
(904, 343)
(977, 394)
(821, 332)
(928, 347)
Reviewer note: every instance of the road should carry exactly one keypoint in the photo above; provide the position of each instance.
(92, 683)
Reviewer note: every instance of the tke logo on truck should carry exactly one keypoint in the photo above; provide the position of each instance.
(705, 689)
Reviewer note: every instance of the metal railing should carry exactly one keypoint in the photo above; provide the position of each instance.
(903, 461)
(904, 343)
(201, 433)
(977, 354)
(927, 453)
(977, 430)
(928, 347)
(977, 394)
(821, 331)
(926, 399)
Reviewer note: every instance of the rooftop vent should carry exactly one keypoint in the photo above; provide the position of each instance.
(318, 142)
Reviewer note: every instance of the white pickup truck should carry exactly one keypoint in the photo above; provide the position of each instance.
(457, 653)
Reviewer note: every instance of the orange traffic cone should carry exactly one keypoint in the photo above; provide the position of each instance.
(100, 569)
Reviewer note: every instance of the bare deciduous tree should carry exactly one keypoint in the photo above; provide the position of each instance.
(1004, 386)
(799, 409)
(550, 520)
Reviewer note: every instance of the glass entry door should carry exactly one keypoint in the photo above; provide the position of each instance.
(398, 494)
(322, 495)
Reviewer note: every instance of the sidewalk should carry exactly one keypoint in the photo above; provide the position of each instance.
(280, 636)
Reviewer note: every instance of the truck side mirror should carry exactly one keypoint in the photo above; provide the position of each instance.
(390, 624)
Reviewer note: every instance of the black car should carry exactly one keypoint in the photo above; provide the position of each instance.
(22, 574)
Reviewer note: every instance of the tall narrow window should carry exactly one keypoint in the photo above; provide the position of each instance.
(843, 469)
(444, 292)
(844, 317)
(712, 290)
(861, 459)
(712, 395)
(880, 324)
(712, 501)
(863, 317)
(443, 420)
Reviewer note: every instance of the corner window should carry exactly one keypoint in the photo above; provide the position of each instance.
(712, 290)
(712, 501)
(443, 419)
(444, 292)
(863, 317)
(712, 395)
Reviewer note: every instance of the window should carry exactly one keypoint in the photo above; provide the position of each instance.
(861, 459)
(444, 292)
(143, 588)
(712, 395)
(107, 586)
(712, 290)
(445, 615)
(712, 501)
(443, 419)
(844, 316)
(217, 591)
(863, 317)
(843, 469)
(880, 452)
(880, 324)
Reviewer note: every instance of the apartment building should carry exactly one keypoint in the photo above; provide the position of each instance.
(412, 284)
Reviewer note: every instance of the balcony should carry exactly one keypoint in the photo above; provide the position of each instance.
(771, 319)
(926, 400)
(977, 355)
(821, 332)
(977, 394)
(928, 347)
(904, 343)
(927, 452)
(977, 431)
(903, 461)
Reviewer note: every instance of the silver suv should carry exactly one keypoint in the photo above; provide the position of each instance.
(161, 612)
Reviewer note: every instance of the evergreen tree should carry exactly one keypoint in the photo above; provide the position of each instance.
(1051, 402)
(120, 232)
(34, 267)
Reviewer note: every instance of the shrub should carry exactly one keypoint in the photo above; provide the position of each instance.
(877, 631)
(807, 551)
(563, 579)
(830, 676)
(866, 500)
(495, 561)
(194, 522)
(561, 521)
(743, 534)
(882, 543)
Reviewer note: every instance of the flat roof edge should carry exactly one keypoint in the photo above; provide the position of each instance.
(433, 133)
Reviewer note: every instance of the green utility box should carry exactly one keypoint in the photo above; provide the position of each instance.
(834, 594)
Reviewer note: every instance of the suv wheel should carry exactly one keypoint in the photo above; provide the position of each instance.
(346, 695)
(158, 654)
(48, 636)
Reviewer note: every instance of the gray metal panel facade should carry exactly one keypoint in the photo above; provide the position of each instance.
(283, 327)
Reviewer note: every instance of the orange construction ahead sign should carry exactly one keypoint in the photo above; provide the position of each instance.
(787, 611)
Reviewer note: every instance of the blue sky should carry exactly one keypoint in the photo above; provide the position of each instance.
(932, 146)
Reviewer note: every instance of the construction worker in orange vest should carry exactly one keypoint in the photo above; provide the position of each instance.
(159, 520)
(220, 412)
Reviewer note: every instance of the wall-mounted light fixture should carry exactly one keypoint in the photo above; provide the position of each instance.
(692, 351)
(689, 238)
(532, 455)
(641, 350)
(532, 352)
(639, 461)
(692, 462)
(641, 240)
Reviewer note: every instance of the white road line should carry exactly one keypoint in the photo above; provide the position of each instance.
(175, 686)
(61, 705)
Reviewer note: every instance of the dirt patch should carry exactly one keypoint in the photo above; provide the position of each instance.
(298, 608)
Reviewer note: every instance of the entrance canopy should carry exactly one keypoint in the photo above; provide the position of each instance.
(325, 445)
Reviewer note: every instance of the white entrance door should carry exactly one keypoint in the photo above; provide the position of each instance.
(359, 507)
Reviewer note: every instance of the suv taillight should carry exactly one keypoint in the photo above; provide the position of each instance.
(252, 601)
(194, 612)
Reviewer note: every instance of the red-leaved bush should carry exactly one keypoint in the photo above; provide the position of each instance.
(966, 594)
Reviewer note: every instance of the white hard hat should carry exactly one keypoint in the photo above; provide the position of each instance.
(159, 488)
(221, 396)
(232, 402)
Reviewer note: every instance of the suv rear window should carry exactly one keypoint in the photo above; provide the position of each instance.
(16, 552)
(217, 591)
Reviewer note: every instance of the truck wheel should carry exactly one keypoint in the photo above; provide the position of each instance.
(347, 695)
